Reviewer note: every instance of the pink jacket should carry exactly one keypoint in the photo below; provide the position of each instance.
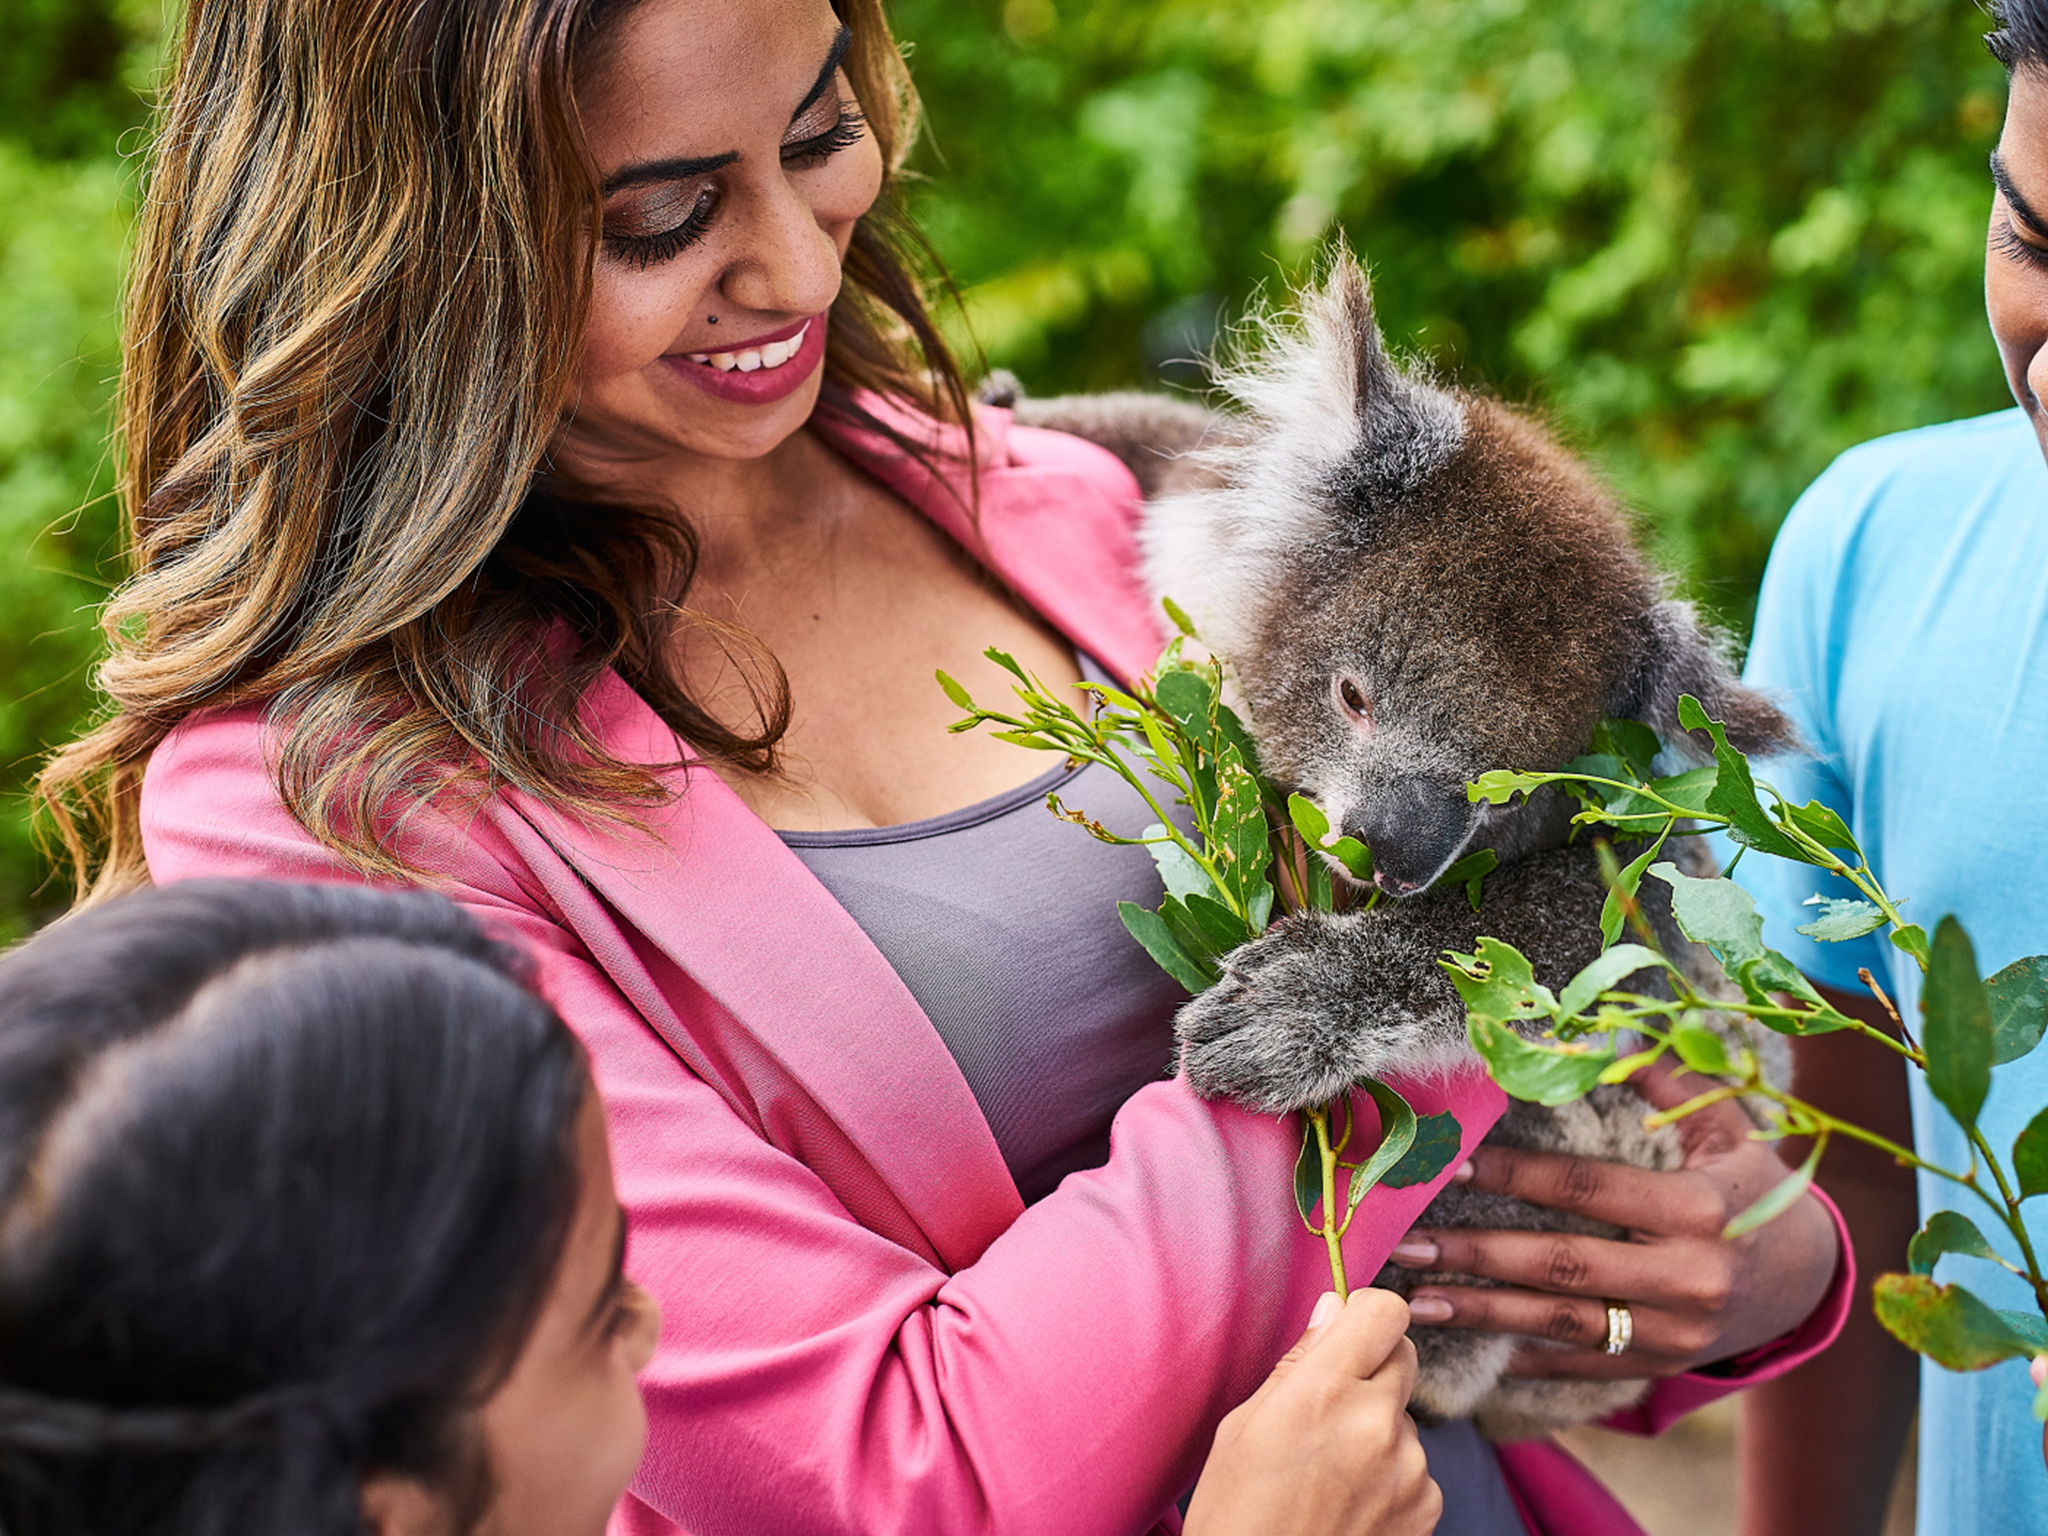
(865, 1329)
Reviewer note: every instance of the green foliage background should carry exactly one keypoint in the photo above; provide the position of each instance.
(1717, 240)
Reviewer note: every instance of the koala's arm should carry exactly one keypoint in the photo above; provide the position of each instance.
(1322, 1000)
(1152, 434)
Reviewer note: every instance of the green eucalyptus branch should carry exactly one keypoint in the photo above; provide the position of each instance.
(1544, 1046)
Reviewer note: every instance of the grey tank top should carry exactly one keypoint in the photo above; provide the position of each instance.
(1001, 920)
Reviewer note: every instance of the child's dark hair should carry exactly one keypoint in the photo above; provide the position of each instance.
(285, 1174)
(2020, 38)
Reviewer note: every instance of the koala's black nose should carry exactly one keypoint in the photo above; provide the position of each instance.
(1412, 827)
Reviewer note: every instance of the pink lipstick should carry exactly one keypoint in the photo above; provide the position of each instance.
(760, 369)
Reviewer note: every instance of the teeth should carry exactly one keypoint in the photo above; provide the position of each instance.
(773, 355)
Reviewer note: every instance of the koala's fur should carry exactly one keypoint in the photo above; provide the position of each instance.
(1443, 555)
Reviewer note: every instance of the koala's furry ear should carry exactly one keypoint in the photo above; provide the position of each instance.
(1680, 654)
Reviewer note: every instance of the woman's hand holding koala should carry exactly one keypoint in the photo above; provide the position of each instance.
(1694, 1296)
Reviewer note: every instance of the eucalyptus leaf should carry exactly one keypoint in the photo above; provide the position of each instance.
(1947, 1232)
(1717, 913)
(1470, 872)
(1778, 1200)
(1912, 938)
(1734, 795)
(1606, 970)
(1397, 1135)
(1956, 1033)
(1823, 826)
(1150, 930)
(1007, 662)
(1314, 828)
(1308, 1173)
(2030, 1326)
(1194, 937)
(1625, 884)
(1541, 1074)
(1946, 1323)
(1438, 1139)
(1701, 1049)
(1689, 789)
(1498, 983)
(1840, 920)
(1632, 741)
(2030, 1157)
(1186, 697)
(1178, 871)
(954, 691)
(2019, 1008)
(1501, 785)
(1178, 617)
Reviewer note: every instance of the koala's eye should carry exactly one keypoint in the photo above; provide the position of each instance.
(1353, 700)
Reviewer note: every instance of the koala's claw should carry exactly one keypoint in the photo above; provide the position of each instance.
(1261, 1036)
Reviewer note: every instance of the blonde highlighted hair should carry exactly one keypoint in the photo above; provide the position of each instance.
(352, 317)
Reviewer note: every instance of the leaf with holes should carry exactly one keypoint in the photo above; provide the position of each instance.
(1538, 1073)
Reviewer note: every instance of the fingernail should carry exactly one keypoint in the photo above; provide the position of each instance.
(1327, 1306)
(1427, 1307)
(1415, 1252)
(1464, 1173)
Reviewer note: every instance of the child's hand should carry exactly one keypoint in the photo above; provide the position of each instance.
(1325, 1447)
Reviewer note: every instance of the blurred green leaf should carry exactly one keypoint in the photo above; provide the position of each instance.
(1701, 1049)
(1778, 1199)
(1946, 1323)
(1947, 1232)
(1627, 882)
(1841, 920)
(2030, 1157)
(2019, 1008)
(1956, 1032)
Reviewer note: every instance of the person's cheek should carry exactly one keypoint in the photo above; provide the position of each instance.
(635, 316)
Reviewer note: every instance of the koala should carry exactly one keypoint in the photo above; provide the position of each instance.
(1412, 584)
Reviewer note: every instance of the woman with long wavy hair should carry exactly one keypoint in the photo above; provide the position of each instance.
(546, 485)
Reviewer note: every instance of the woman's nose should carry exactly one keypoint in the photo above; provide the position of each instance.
(785, 261)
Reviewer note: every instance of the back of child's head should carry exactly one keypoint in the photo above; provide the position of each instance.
(284, 1173)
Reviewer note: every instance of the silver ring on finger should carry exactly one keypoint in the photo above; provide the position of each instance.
(1621, 1327)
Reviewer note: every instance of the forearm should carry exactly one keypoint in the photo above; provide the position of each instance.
(1820, 1444)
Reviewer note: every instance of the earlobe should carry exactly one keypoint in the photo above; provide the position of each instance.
(402, 1506)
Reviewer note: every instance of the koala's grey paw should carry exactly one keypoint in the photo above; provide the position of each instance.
(1266, 1034)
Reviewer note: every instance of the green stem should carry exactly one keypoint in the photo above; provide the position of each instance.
(1320, 1119)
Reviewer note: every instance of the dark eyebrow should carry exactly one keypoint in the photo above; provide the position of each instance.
(703, 165)
(2002, 179)
(610, 1293)
(834, 57)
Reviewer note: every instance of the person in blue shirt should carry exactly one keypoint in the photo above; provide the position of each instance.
(1903, 624)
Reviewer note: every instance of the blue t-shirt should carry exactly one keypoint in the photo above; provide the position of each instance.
(1904, 625)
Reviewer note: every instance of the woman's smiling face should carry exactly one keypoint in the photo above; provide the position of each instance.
(735, 163)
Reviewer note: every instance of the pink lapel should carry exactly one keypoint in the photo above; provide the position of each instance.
(724, 898)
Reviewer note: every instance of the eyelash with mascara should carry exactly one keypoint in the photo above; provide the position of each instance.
(643, 251)
(2007, 241)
